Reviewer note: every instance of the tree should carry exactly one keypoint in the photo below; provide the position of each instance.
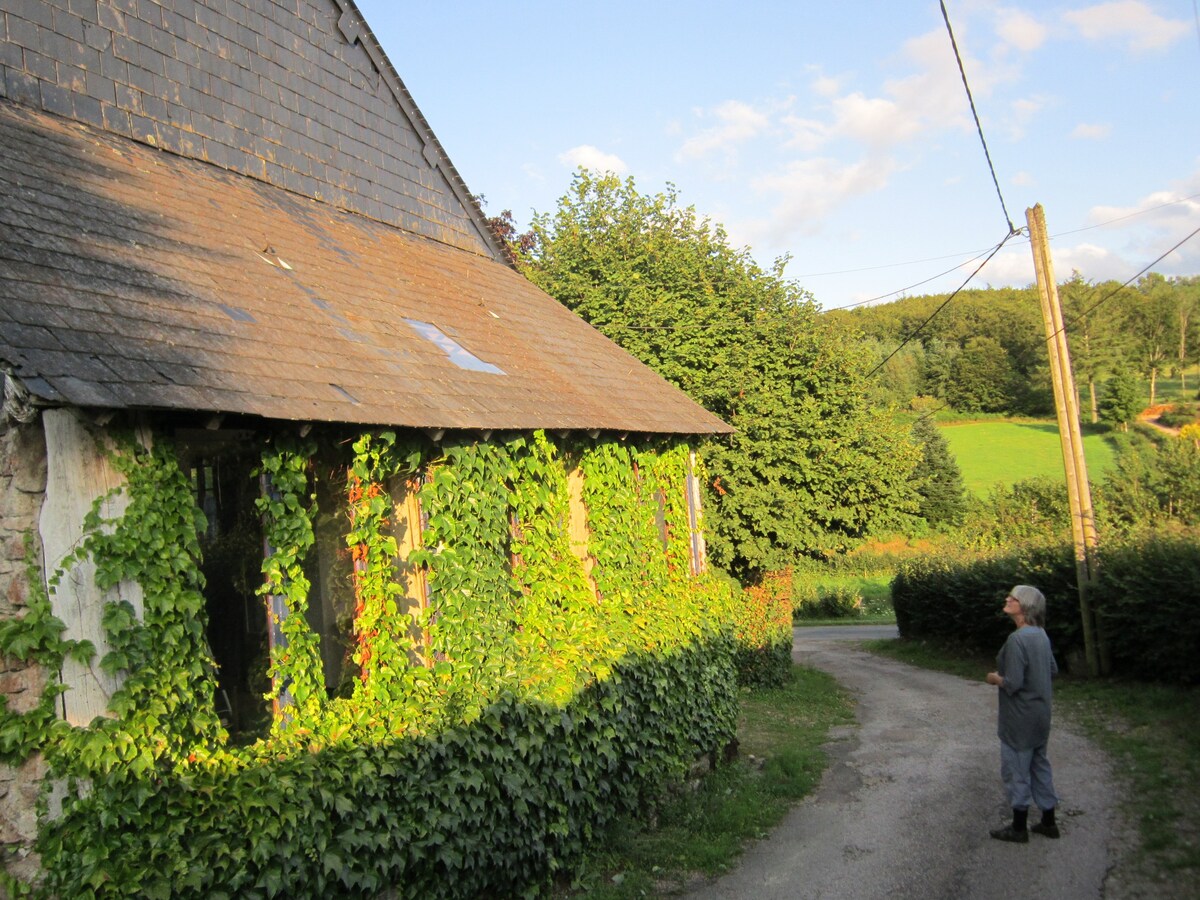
(1188, 307)
(982, 377)
(811, 467)
(1121, 402)
(1153, 481)
(1153, 322)
(937, 478)
(1094, 333)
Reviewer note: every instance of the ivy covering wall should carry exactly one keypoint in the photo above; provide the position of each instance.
(551, 699)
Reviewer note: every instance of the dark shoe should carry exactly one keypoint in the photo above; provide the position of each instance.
(1045, 829)
(1008, 833)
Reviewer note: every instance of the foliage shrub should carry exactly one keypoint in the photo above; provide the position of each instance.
(838, 602)
(1178, 416)
(1153, 483)
(949, 597)
(763, 626)
(1144, 601)
(1030, 511)
(547, 707)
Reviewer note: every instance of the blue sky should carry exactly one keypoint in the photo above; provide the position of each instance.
(837, 133)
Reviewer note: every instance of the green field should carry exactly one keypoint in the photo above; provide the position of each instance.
(1007, 452)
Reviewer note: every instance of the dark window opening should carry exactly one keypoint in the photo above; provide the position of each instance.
(221, 469)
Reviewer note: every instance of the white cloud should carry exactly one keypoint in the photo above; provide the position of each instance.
(806, 191)
(1130, 21)
(873, 120)
(589, 157)
(737, 122)
(807, 134)
(1022, 112)
(1006, 267)
(933, 95)
(1093, 262)
(1019, 29)
(825, 86)
(1167, 212)
(1085, 132)
(1144, 231)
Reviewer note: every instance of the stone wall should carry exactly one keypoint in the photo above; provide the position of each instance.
(22, 489)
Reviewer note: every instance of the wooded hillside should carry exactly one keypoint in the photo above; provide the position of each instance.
(982, 351)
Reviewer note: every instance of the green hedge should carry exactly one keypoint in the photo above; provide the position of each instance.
(1145, 601)
(495, 808)
(1148, 603)
(948, 597)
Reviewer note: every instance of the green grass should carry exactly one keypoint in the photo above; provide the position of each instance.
(700, 830)
(1011, 451)
(1151, 733)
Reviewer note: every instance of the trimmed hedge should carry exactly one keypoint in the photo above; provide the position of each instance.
(1148, 603)
(1145, 602)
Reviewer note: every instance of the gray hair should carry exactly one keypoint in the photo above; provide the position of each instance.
(1032, 603)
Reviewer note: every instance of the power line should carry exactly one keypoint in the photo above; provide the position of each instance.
(1087, 312)
(1140, 212)
(944, 304)
(978, 125)
(909, 287)
(978, 253)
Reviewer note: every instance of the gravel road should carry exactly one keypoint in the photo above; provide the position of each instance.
(912, 789)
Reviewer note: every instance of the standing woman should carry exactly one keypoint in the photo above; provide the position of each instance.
(1024, 669)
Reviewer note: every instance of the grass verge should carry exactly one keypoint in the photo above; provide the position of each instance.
(700, 829)
(1151, 733)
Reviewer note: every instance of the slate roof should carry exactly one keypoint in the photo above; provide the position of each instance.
(136, 278)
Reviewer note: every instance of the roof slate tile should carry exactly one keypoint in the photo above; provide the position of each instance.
(133, 253)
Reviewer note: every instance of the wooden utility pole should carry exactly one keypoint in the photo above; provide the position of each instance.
(1066, 404)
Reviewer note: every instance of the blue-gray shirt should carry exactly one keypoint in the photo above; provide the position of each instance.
(1026, 663)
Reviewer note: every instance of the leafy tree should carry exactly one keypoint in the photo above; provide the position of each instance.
(1153, 321)
(1122, 400)
(901, 377)
(1092, 313)
(1187, 309)
(811, 467)
(937, 477)
(1153, 482)
(982, 377)
(936, 375)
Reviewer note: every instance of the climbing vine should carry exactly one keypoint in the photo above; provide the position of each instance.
(36, 639)
(163, 709)
(495, 724)
(384, 695)
(296, 673)
(472, 617)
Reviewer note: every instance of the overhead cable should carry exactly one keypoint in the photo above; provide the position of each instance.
(943, 305)
(978, 126)
(1087, 312)
(909, 287)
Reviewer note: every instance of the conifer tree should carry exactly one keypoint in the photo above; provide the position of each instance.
(937, 478)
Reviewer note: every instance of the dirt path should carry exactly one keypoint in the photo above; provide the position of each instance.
(911, 792)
